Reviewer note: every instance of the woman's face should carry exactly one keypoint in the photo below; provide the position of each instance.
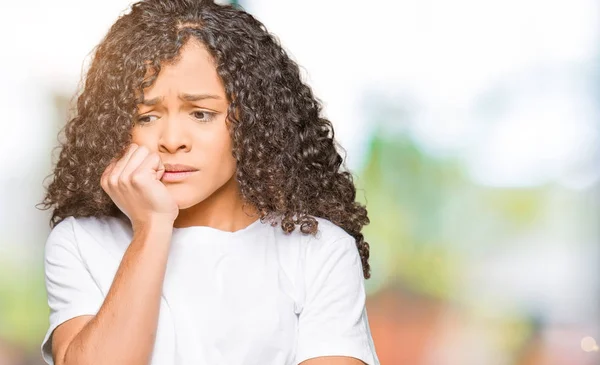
(183, 120)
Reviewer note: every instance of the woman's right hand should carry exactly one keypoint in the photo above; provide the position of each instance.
(133, 183)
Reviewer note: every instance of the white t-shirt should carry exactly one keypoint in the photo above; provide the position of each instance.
(254, 296)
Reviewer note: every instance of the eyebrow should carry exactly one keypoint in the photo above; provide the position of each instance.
(184, 97)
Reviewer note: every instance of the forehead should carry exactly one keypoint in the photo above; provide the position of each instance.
(193, 72)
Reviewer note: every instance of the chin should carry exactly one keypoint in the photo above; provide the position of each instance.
(185, 204)
(187, 201)
(186, 197)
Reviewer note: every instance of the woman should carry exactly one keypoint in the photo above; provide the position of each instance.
(200, 215)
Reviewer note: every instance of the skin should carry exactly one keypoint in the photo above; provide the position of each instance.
(194, 133)
(170, 129)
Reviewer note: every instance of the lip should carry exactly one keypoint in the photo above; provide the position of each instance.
(177, 172)
(178, 168)
(176, 176)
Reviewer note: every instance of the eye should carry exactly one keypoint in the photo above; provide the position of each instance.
(145, 119)
(202, 115)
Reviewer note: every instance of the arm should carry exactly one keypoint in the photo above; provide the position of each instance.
(333, 328)
(123, 330)
(333, 360)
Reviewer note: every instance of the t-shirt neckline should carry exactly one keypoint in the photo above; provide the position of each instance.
(216, 231)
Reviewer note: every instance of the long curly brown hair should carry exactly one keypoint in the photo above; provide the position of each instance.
(288, 165)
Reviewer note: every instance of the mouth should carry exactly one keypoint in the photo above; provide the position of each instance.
(176, 176)
(177, 172)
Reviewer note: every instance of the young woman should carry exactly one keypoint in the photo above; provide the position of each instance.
(200, 211)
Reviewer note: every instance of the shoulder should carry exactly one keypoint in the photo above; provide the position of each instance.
(75, 233)
(91, 225)
(331, 239)
(329, 233)
(104, 226)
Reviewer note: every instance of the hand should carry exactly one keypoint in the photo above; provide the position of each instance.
(133, 183)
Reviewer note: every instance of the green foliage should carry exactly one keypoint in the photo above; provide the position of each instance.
(427, 216)
(405, 194)
(23, 306)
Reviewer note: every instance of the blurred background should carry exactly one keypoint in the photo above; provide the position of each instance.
(472, 128)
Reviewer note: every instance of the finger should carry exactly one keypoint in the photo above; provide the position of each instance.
(150, 166)
(106, 173)
(160, 168)
(122, 162)
(110, 166)
(138, 156)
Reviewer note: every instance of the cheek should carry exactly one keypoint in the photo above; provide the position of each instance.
(219, 151)
(141, 137)
(222, 166)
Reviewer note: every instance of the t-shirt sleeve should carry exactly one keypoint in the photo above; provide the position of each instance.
(333, 321)
(71, 289)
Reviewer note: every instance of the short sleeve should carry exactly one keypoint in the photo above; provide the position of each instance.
(71, 289)
(333, 321)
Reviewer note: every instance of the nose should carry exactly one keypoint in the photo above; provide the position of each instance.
(174, 137)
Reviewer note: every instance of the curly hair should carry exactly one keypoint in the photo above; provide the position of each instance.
(288, 165)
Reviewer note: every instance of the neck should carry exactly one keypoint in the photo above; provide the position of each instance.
(221, 210)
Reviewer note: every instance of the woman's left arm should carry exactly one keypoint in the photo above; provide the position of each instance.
(333, 328)
(333, 360)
